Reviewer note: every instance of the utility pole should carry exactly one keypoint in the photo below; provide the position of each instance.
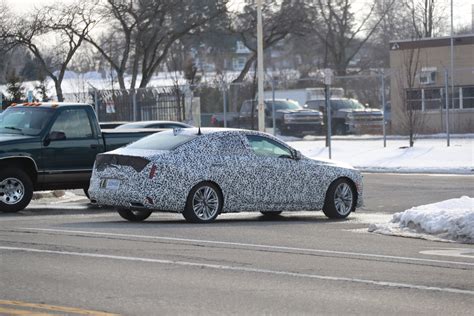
(261, 106)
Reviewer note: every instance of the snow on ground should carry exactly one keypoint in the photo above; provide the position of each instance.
(429, 155)
(450, 220)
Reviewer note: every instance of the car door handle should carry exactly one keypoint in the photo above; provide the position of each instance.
(94, 146)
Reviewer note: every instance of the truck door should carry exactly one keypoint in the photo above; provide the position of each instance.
(70, 148)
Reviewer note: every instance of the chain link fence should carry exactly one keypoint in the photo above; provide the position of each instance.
(376, 102)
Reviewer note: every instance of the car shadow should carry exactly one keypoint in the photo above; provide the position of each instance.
(248, 219)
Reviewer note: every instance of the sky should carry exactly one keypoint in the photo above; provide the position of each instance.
(462, 8)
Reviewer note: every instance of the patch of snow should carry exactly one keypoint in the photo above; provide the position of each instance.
(450, 220)
(429, 155)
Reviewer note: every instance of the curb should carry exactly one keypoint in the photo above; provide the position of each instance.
(48, 194)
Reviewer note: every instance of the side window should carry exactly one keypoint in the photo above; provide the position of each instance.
(229, 145)
(263, 146)
(74, 123)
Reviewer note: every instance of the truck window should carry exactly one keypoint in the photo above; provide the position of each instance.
(74, 123)
(27, 121)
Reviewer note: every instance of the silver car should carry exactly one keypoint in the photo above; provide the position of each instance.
(203, 173)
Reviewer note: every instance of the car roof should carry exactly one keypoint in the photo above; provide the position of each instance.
(217, 130)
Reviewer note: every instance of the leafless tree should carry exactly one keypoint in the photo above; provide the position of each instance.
(280, 18)
(426, 16)
(53, 35)
(410, 114)
(142, 32)
(334, 23)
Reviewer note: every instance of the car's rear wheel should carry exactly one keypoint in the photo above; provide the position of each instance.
(340, 199)
(204, 203)
(16, 190)
(134, 215)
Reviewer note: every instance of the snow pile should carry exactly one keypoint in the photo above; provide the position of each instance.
(447, 220)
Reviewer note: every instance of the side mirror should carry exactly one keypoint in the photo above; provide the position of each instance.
(54, 135)
(297, 155)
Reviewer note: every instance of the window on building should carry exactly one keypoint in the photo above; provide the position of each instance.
(468, 97)
(432, 99)
(414, 99)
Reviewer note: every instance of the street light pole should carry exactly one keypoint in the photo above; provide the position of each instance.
(261, 107)
(452, 75)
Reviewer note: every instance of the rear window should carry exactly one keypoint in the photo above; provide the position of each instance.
(162, 141)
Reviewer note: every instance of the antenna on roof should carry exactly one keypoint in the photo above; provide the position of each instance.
(199, 130)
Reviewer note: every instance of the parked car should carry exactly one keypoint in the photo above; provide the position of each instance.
(290, 117)
(349, 116)
(154, 124)
(111, 125)
(203, 173)
(51, 146)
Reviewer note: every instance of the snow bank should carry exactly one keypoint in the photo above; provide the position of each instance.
(451, 220)
(430, 155)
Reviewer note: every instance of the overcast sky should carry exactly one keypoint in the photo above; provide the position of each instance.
(462, 8)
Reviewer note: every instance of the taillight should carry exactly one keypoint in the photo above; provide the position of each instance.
(152, 172)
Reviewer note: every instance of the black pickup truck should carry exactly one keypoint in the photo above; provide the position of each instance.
(290, 117)
(51, 146)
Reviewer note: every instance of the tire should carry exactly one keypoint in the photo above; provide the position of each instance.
(86, 192)
(271, 214)
(340, 199)
(204, 203)
(340, 129)
(16, 190)
(134, 216)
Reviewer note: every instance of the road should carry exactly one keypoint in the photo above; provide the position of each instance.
(77, 260)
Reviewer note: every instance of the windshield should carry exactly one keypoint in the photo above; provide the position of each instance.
(346, 104)
(284, 105)
(26, 121)
(162, 141)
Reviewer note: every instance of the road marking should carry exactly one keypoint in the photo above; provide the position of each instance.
(244, 269)
(54, 308)
(11, 311)
(455, 252)
(357, 254)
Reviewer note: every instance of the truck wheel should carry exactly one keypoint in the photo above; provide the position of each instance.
(16, 190)
(340, 129)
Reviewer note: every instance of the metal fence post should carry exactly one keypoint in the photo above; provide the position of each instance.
(384, 111)
(273, 107)
(224, 98)
(329, 117)
(446, 78)
(134, 105)
(96, 104)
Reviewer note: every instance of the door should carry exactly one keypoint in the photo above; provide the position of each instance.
(276, 173)
(69, 158)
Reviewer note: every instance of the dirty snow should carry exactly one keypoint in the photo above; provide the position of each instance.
(450, 220)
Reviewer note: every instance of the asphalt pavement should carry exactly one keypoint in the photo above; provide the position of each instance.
(73, 259)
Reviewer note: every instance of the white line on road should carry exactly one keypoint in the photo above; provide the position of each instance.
(244, 269)
(357, 254)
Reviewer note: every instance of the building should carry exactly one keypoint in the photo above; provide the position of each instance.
(418, 80)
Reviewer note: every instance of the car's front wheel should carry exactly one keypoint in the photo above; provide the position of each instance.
(134, 215)
(340, 199)
(16, 190)
(204, 203)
